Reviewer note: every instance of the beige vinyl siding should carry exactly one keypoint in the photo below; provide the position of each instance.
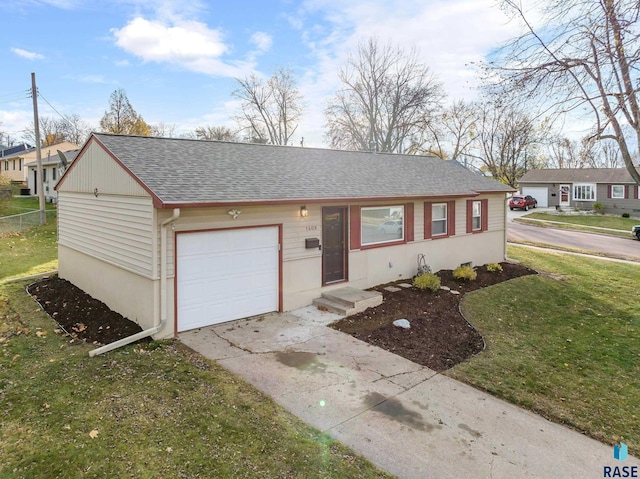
(96, 170)
(294, 228)
(118, 230)
(497, 207)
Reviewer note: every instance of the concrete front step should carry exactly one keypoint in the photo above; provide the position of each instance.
(348, 300)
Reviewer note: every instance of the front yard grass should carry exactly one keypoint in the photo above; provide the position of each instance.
(563, 344)
(144, 411)
(590, 223)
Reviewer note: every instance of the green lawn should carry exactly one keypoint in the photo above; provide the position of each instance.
(30, 252)
(564, 343)
(17, 205)
(149, 411)
(586, 222)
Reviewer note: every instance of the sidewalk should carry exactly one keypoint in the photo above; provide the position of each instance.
(403, 417)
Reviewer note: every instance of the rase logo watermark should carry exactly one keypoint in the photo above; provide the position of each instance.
(620, 452)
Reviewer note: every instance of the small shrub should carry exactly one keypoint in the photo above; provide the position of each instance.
(466, 273)
(494, 268)
(427, 281)
(625, 215)
(598, 207)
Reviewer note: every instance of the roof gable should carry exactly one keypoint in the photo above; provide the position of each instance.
(182, 172)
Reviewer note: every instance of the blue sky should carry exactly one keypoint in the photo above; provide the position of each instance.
(177, 59)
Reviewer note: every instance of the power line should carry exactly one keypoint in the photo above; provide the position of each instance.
(52, 107)
(10, 97)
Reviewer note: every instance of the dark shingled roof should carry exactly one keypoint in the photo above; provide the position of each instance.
(194, 171)
(578, 175)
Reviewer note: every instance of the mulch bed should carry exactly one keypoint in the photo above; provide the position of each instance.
(439, 336)
(80, 315)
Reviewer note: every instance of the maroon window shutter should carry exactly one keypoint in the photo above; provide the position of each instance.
(626, 192)
(451, 218)
(609, 193)
(484, 207)
(354, 225)
(408, 222)
(427, 221)
(635, 196)
(469, 216)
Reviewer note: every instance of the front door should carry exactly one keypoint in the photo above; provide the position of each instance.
(334, 241)
(564, 195)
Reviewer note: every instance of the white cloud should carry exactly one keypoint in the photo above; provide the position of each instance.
(190, 44)
(27, 54)
(448, 34)
(262, 41)
(97, 79)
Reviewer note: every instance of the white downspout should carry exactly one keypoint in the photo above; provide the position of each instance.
(163, 295)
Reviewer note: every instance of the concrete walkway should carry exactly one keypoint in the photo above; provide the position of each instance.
(403, 417)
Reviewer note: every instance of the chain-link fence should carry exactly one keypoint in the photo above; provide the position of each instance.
(15, 223)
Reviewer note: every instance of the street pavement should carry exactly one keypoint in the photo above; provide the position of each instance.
(617, 247)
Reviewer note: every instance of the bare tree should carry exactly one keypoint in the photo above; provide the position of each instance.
(122, 118)
(216, 133)
(454, 131)
(69, 128)
(270, 109)
(507, 141)
(388, 96)
(162, 130)
(586, 54)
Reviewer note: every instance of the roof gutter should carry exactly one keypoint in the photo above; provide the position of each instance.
(163, 295)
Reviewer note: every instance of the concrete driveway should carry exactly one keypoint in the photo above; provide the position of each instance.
(405, 418)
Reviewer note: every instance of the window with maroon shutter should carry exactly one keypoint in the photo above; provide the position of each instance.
(477, 216)
(617, 192)
(439, 219)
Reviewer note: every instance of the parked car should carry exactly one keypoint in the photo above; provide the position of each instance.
(391, 226)
(523, 202)
(635, 231)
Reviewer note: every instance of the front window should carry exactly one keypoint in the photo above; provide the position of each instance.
(584, 192)
(44, 174)
(439, 219)
(53, 173)
(382, 224)
(617, 192)
(476, 221)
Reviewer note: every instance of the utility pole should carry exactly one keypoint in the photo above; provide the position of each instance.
(39, 183)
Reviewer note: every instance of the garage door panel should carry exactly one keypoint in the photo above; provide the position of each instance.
(541, 194)
(226, 275)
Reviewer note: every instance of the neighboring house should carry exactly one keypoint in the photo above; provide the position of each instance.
(580, 188)
(190, 233)
(13, 164)
(53, 168)
(11, 161)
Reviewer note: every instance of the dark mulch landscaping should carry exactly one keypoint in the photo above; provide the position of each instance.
(439, 337)
(81, 316)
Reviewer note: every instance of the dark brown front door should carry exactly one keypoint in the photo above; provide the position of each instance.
(334, 241)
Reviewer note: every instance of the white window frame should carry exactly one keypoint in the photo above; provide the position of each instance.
(584, 192)
(381, 207)
(476, 207)
(613, 194)
(435, 220)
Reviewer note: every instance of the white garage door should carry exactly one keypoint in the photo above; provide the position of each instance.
(540, 194)
(226, 275)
